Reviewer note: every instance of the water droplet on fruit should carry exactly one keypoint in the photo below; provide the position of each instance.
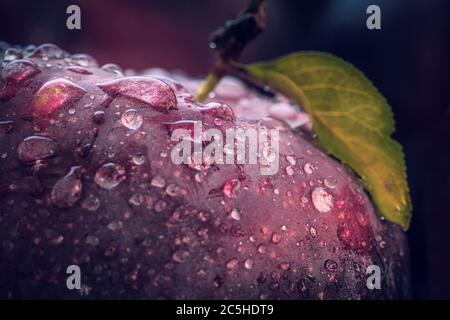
(79, 70)
(20, 70)
(330, 182)
(322, 199)
(83, 60)
(109, 175)
(158, 182)
(218, 111)
(136, 199)
(331, 265)
(15, 73)
(138, 159)
(235, 214)
(289, 170)
(262, 249)
(132, 119)
(36, 148)
(5, 127)
(304, 199)
(151, 91)
(249, 263)
(12, 54)
(276, 237)
(231, 187)
(309, 168)
(91, 203)
(113, 68)
(173, 190)
(99, 117)
(54, 95)
(71, 111)
(67, 190)
(291, 160)
(232, 264)
(47, 51)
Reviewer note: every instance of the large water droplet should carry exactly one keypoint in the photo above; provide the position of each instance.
(110, 175)
(54, 95)
(323, 200)
(12, 54)
(19, 70)
(47, 51)
(151, 91)
(131, 119)
(15, 73)
(67, 190)
(36, 148)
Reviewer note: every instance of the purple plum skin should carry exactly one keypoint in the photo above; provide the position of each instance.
(143, 240)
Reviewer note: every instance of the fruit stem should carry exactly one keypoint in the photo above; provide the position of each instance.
(229, 41)
(207, 86)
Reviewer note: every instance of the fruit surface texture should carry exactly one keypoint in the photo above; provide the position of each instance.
(87, 179)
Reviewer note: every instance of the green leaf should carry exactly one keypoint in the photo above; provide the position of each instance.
(352, 120)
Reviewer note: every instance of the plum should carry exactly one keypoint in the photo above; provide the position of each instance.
(86, 178)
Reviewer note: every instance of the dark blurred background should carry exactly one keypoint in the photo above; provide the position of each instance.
(408, 60)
